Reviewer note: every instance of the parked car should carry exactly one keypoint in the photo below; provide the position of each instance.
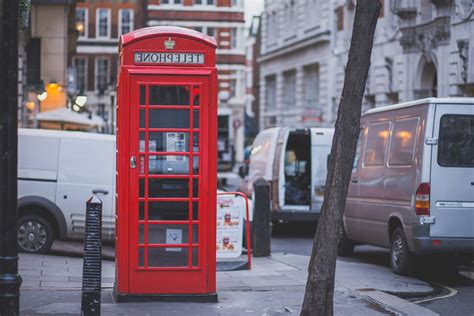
(294, 161)
(57, 173)
(412, 185)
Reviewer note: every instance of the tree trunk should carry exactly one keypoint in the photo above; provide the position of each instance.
(318, 299)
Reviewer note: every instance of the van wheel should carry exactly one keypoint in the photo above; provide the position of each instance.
(402, 260)
(35, 234)
(346, 246)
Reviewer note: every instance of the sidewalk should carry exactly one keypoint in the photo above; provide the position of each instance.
(275, 285)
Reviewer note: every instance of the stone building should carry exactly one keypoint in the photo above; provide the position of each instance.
(224, 20)
(48, 42)
(421, 49)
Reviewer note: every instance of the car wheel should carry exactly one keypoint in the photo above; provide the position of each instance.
(346, 246)
(35, 234)
(402, 260)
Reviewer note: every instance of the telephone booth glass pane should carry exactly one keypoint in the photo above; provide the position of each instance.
(169, 95)
(168, 164)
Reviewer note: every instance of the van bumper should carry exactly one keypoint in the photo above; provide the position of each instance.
(429, 245)
(295, 216)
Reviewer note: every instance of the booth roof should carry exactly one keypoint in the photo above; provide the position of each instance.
(153, 31)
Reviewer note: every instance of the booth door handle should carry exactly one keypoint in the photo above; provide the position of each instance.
(133, 162)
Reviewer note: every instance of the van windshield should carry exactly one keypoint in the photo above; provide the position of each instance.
(456, 141)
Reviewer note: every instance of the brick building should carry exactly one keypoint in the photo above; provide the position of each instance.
(224, 20)
(100, 24)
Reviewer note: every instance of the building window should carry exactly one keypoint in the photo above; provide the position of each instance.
(81, 73)
(291, 19)
(233, 38)
(340, 18)
(126, 21)
(170, 1)
(103, 22)
(211, 31)
(311, 87)
(312, 13)
(204, 2)
(82, 21)
(272, 28)
(206, 30)
(235, 3)
(102, 73)
(289, 89)
(232, 88)
(270, 96)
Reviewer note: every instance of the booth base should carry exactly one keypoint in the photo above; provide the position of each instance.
(134, 298)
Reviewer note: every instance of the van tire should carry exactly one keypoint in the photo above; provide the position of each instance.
(346, 246)
(402, 260)
(34, 234)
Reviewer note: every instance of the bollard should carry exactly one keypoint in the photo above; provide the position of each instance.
(261, 230)
(92, 266)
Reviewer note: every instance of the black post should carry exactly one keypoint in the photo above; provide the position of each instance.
(92, 266)
(10, 281)
(261, 228)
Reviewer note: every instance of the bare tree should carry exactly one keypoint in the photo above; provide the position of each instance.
(318, 299)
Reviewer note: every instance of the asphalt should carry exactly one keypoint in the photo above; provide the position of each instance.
(275, 285)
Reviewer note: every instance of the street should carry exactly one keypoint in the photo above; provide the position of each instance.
(298, 238)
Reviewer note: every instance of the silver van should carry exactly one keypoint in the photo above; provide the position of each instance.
(412, 185)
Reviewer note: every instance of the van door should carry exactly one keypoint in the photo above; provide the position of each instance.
(295, 177)
(452, 172)
(85, 165)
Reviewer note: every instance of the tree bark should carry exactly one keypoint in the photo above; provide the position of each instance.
(318, 299)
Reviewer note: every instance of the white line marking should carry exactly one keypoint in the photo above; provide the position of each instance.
(452, 292)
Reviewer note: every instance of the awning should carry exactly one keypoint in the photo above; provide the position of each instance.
(66, 116)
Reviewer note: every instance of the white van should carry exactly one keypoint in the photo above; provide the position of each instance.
(57, 173)
(294, 161)
(412, 185)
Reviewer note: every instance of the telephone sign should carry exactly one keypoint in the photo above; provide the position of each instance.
(166, 166)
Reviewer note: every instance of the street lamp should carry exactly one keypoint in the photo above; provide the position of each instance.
(42, 96)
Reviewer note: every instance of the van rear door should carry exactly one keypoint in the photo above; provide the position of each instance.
(452, 171)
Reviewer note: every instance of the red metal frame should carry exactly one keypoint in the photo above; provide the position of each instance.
(197, 277)
(247, 224)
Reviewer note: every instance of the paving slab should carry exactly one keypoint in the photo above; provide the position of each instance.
(357, 276)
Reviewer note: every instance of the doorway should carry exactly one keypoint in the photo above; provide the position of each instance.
(297, 169)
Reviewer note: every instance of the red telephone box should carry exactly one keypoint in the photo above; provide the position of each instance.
(166, 166)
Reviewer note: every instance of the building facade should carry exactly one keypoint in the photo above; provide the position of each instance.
(422, 48)
(224, 20)
(100, 25)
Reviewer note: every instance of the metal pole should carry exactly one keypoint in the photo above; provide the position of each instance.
(92, 266)
(10, 281)
(262, 231)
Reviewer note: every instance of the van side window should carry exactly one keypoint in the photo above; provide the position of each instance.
(456, 141)
(402, 145)
(375, 144)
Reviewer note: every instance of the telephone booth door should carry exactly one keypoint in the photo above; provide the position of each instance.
(168, 200)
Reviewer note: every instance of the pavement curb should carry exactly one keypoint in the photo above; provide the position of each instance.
(395, 304)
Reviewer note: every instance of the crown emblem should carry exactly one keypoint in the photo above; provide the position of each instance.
(169, 43)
